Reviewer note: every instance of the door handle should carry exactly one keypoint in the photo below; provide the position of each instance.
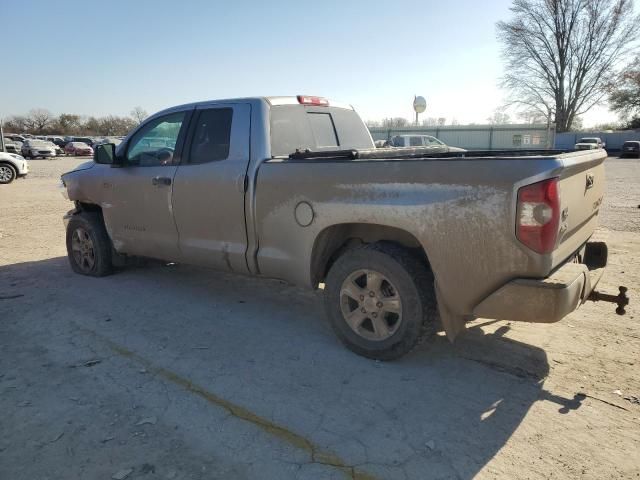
(161, 181)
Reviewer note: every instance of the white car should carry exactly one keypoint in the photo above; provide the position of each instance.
(590, 143)
(38, 148)
(421, 141)
(12, 166)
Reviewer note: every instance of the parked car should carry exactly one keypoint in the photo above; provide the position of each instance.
(294, 188)
(32, 148)
(12, 146)
(630, 148)
(14, 137)
(421, 141)
(12, 166)
(115, 140)
(78, 148)
(589, 143)
(88, 140)
(59, 141)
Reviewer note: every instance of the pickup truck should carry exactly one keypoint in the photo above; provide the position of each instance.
(589, 143)
(421, 141)
(398, 238)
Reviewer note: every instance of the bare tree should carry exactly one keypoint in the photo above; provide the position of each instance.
(532, 116)
(559, 54)
(396, 122)
(112, 125)
(499, 117)
(68, 123)
(16, 124)
(624, 92)
(139, 114)
(38, 119)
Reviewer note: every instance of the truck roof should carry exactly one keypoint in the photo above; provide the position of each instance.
(270, 100)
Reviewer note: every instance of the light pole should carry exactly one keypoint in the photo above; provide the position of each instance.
(419, 106)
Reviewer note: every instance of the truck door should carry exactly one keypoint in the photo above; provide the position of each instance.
(138, 213)
(208, 191)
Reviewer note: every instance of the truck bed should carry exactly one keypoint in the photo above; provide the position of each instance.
(460, 207)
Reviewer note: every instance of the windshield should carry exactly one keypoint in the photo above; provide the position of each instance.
(296, 127)
(588, 140)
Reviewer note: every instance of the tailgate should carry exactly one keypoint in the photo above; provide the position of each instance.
(581, 188)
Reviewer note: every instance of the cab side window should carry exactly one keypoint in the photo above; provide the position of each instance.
(212, 135)
(415, 142)
(154, 145)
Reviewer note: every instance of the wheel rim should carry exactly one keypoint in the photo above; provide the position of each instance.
(82, 249)
(370, 305)
(6, 174)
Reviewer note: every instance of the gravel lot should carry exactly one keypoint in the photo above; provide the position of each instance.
(175, 372)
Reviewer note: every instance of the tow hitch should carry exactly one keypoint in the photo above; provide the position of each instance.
(621, 299)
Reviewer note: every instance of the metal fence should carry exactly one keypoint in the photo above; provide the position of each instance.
(614, 140)
(479, 137)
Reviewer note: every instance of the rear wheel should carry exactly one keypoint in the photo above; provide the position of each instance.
(88, 245)
(7, 173)
(380, 300)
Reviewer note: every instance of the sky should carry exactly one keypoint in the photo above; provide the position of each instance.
(100, 58)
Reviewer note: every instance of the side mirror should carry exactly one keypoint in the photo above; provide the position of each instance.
(105, 154)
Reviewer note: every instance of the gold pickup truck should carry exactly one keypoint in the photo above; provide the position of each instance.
(398, 238)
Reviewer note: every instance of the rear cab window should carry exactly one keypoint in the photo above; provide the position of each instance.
(300, 127)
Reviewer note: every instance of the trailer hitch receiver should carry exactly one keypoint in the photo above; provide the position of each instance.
(621, 299)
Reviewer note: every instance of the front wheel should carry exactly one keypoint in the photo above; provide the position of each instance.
(88, 245)
(380, 300)
(7, 173)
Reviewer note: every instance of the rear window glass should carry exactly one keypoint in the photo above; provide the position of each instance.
(323, 129)
(296, 127)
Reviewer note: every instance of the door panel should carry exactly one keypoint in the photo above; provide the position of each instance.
(208, 190)
(139, 214)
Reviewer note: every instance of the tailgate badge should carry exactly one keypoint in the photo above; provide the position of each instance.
(590, 180)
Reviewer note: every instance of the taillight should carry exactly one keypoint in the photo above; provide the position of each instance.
(308, 100)
(538, 215)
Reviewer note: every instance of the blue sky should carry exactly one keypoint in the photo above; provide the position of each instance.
(98, 58)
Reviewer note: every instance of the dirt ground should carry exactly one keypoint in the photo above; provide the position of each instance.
(175, 372)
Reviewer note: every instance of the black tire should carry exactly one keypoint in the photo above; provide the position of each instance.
(412, 282)
(8, 173)
(93, 225)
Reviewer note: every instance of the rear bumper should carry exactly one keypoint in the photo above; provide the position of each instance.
(549, 299)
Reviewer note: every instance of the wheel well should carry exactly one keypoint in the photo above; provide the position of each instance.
(9, 164)
(332, 241)
(89, 207)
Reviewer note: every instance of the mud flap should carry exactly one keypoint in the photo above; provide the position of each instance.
(453, 324)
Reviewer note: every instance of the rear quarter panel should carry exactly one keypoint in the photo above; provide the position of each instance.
(461, 211)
